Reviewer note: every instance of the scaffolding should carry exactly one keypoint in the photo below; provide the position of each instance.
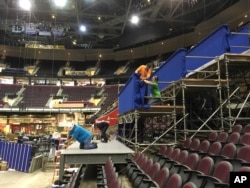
(213, 97)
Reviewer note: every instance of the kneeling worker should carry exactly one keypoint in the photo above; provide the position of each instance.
(82, 135)
(102, 126)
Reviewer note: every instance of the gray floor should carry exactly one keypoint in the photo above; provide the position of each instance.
(16, 179)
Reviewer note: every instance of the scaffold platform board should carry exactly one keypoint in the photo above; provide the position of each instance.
(160, 109)
(114, 149)
(235, 62)
(195, 83)
(201, 82)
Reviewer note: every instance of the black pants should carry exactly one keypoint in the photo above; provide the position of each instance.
(103, 126)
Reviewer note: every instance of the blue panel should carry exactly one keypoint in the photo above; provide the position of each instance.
(27, 158)
(21, 157)
(7, 155)
(132, 95)
(18, 155)
(239, 41)
(15, 156)
(126, 97)
(10, 160)
(4, 151)
(214, 45)
(173, 69)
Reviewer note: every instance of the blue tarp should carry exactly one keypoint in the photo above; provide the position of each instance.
(206, 50)
(132, 95)
(239, 41)
(173, 69)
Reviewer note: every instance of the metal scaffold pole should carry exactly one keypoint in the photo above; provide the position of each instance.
(184, 110)
(220, 93)
(228, 93)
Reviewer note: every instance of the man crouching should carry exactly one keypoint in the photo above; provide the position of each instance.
(82, 135)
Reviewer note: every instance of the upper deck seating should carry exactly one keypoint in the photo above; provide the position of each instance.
(35, 92)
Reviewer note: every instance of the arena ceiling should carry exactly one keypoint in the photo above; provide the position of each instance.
(107, 21)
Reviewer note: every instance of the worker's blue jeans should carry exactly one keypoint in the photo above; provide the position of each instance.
(88, 144)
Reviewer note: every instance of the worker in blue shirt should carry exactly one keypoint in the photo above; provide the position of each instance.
(82, 135)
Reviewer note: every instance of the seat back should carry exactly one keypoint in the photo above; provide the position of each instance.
(154, 170)
(237, 128)
(169, 151)
(189, 185)
(212, 136)
(222, 137)
(162, 150)
(108, 164)
(206, 165)
(229, 150)
(187, 142)
(234, 137)
(194, 144)
(192, 161)
(244, 153)
(215, 148)
(137, 155)
(245, 139)
(244, 169)
(204, 146)
(142, 160)
(115, 183)
(222, 171)
(174, 181)
(162, 177)
(182, 157)
(175, 154)
(147, 166)
(246, 129)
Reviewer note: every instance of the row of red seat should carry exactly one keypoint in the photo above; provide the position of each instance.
(196, 163)
(219, 151)
(107, 177)
(216, 163)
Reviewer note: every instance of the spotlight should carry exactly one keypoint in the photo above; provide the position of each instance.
(134, 19)
(83, 28)
(25, 4)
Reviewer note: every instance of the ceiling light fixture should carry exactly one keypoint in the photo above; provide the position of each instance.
(25, 4)
(60, 3)
(83, 28)
(134, 19)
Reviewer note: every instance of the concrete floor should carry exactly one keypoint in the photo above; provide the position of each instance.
(16, 179)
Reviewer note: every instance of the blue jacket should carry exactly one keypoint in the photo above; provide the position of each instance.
(80, 134)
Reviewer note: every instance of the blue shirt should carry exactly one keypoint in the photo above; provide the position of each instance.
(80, 134)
